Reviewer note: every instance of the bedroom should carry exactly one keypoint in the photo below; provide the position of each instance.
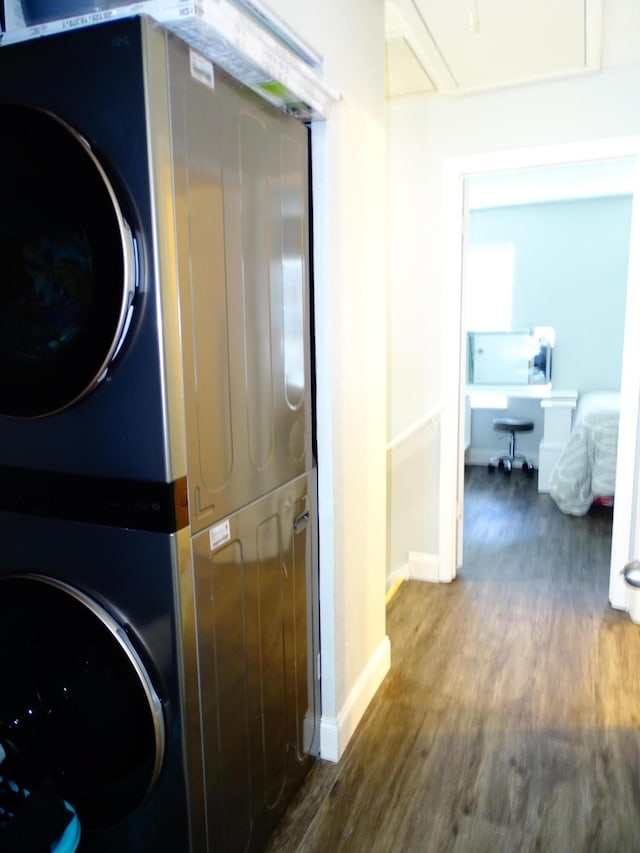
(550, 248)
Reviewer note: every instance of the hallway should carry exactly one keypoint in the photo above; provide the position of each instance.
(510, 718)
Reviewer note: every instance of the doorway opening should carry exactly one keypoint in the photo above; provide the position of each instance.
(493, 174)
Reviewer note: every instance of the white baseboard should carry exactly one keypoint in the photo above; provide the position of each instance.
(399, 574)
(424, 567)
(336, 732)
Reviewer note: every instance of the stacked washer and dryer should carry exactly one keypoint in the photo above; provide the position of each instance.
(158, 570)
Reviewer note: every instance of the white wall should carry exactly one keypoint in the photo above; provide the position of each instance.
(412, 466)
(424, 133)
(414, 360)
(350, 265)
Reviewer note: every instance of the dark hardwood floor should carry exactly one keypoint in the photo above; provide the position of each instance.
(510, 719)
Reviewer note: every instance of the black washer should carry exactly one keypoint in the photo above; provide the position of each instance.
(77, 705)
(68, 265)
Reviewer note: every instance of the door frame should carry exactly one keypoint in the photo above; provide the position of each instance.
(456, 173)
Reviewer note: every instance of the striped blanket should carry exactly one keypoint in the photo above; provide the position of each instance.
(586, 468)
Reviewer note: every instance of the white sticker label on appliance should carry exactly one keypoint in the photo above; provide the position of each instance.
(202, 69)
(219, 534)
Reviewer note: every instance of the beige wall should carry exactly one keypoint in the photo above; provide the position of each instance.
(350, 266)
(353, 222)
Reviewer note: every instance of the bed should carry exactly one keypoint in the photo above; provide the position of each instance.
(586, 468)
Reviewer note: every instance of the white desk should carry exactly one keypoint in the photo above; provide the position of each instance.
(558, 418)
(557, 407)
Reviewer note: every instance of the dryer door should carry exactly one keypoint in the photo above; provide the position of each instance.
(77, 705)
(68, 265)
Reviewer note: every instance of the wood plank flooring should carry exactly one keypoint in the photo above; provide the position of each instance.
(510, 720)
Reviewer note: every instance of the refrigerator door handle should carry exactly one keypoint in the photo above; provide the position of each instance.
(301, 521)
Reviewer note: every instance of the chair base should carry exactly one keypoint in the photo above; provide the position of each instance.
(507, 464)
(508, 460)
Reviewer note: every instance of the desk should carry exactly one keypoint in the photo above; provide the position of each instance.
(557, 407)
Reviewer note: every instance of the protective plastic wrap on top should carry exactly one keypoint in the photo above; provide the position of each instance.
(41, 11)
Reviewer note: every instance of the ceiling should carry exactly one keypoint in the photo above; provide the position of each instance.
(460, 46)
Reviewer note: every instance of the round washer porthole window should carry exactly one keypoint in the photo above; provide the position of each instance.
(77, 705)
(68, 258)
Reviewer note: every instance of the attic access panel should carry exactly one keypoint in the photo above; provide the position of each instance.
(514, 42)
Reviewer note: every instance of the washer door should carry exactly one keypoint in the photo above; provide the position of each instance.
(76, 703)
(68, 265)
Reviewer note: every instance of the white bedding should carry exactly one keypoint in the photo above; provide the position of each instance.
(586, 468)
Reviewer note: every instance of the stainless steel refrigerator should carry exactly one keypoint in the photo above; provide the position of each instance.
(240, 175)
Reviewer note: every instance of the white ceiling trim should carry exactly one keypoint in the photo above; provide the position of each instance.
(398, 25)
(418, 36)
(404, 73)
